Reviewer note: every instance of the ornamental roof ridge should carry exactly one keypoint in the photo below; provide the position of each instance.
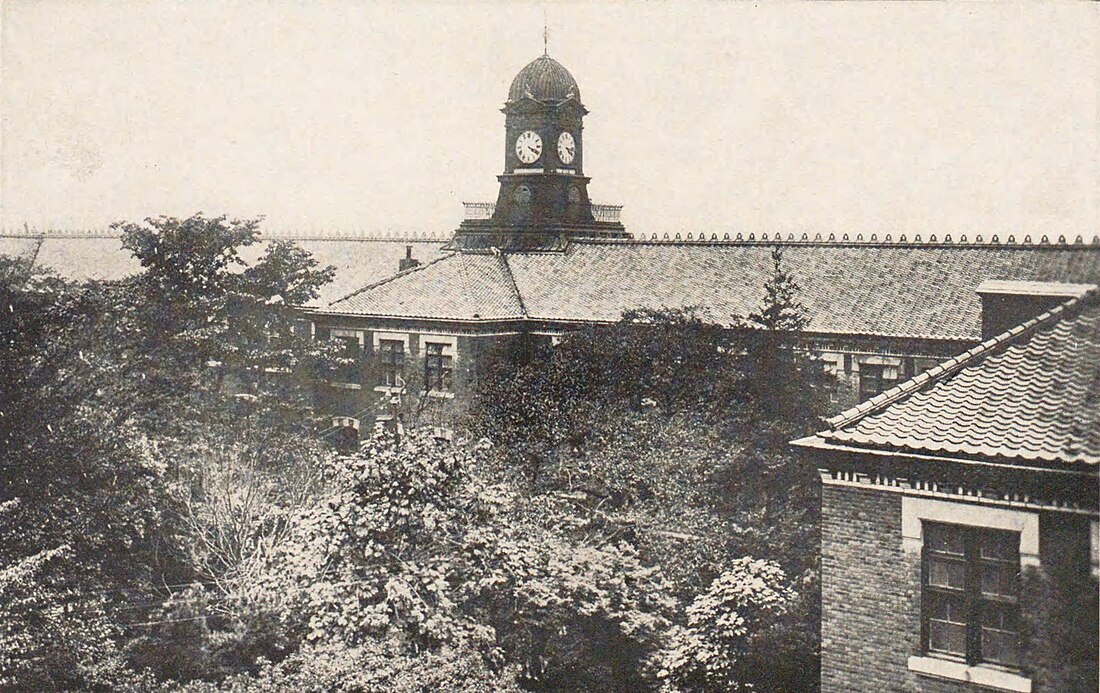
(951, 366)
(354, 235)
(846, 240)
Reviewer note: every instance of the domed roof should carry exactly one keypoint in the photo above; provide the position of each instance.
(544, 79)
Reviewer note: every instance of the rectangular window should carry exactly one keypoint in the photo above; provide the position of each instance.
(970, 592)
(349, 372)
(391, 357)
(872, 381)
(437, 367)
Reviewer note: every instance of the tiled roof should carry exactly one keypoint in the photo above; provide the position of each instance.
(462, 286)
(888, 290)
(358, 260)
(911, 291)
(17, 246)
(1031, 394)
(101, 258)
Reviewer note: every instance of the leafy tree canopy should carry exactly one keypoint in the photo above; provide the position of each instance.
(213, 315)
(671, 433)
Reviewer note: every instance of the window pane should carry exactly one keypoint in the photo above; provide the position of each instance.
(874, 379)
(1000, 639)
(1004, 546)
(947, 625)
(999, 580)
(437, 367)
(945, 538)
(946, 572)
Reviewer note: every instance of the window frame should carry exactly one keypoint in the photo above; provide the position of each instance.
(391, 358)
(437, 358)
(976, 513)
(353, 344)
(975, 601)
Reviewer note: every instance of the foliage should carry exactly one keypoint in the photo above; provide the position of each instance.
(541, 402)
(173, 524)
(42, 645)
(81, 507)
(151, 436)
(670, 433)
(416, 547)
(236, 488)
(719, 648)
(373, 666)
(202, 324)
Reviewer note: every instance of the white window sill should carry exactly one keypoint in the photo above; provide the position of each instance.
(984, 676)
(441, 394)
(389, 389)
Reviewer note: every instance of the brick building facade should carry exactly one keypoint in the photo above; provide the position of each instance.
(959, 520)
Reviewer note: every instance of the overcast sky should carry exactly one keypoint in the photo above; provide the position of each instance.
(917, 118)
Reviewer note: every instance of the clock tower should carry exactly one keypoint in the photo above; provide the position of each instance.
(543, 198)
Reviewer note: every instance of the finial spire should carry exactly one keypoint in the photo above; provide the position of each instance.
(545, 35)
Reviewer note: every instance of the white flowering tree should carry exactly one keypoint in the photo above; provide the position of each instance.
(718, 648)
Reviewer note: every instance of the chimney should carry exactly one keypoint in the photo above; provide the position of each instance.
(407, 262)
(1006, 304)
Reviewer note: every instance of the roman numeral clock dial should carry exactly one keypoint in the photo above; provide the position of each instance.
(529, 147)
(567, 148)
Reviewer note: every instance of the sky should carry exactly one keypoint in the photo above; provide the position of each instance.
(705, 117)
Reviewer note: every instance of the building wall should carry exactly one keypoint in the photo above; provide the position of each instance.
(867, 631)
(359, 395)
(848, 368)
(895, 360)
(870, 589)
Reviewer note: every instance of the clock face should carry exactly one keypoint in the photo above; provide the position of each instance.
(522, 195)
(529, 147)
(567, 148)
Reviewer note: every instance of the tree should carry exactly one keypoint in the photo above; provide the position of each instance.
(201, 324)
(417, 548)
(788, 384)
(679, 449)
(146, 431)
(543, 402)
(214, 367)
(80, 503)
(719, 648)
